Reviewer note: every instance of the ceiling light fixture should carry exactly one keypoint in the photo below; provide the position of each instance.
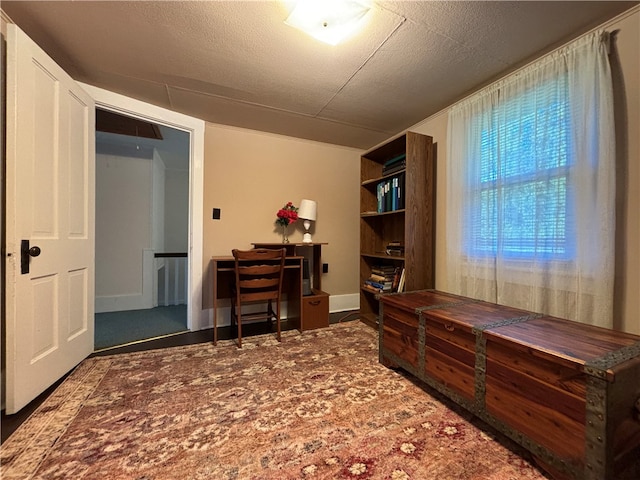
(329, 21)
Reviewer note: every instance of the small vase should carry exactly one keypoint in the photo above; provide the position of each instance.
(285, 236)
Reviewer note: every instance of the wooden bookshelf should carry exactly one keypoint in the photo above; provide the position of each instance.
(413, 225)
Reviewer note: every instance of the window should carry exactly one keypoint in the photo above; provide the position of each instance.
(521, 203)
(530, 212)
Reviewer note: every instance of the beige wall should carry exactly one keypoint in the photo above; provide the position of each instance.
(249, 175)
(626, 74)
(625, 62)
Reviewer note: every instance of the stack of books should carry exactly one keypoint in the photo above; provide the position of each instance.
(395, 249)
(383, 279)
(394, 164)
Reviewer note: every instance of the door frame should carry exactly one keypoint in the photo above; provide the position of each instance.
(197, 318)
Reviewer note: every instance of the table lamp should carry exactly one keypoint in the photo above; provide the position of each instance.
(307, 211)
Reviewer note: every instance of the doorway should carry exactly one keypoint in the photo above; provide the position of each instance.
(197, 317)
(142, 229)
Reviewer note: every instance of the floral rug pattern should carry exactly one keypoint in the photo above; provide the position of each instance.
(316, 406)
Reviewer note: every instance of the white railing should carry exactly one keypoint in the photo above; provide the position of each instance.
(171, 273)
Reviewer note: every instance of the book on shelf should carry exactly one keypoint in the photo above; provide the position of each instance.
(394, 164)
(383, 287)
(398, 167)
(400, 180)
(395, 249)
(383, 270)
(377, 278)
(400, 158)
(394, 193)
(396, 279)
(390, 194)
(396, 158)
(371, 289)
(401, 282)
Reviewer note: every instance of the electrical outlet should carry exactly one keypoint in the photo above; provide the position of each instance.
(216, 214)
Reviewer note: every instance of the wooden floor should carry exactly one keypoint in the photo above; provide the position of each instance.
(10, 423)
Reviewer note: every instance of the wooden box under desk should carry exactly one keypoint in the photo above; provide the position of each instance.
(567, 392)
(315, 311)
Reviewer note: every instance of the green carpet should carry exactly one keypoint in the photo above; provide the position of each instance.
(120, 328)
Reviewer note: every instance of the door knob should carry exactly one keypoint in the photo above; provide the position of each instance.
(25, 253)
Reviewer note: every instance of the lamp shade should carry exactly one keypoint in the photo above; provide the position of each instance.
(308, 210)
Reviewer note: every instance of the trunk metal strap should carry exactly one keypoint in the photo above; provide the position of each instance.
(598, 366)
(481, 354)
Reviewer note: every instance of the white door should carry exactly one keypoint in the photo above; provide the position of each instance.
(50, 204)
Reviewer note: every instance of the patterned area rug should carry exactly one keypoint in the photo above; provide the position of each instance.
(316, 406)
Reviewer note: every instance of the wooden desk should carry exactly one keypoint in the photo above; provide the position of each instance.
(223, 278)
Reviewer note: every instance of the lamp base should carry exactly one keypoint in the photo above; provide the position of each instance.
(306, 238)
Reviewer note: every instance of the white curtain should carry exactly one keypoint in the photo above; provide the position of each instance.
(531, 187)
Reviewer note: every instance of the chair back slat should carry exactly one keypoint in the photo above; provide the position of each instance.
(258, 296)
(259, 283)
(259, 270)
(260, 254)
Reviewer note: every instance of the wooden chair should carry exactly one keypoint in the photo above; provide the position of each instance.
(259, 274)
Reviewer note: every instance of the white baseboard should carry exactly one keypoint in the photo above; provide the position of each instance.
(342, 303)
(120, 303)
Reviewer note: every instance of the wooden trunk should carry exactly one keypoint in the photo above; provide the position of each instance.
(567, 392)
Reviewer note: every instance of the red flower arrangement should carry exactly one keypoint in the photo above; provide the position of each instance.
(287, 215)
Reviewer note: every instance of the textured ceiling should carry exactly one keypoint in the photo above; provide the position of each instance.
(237, 63)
